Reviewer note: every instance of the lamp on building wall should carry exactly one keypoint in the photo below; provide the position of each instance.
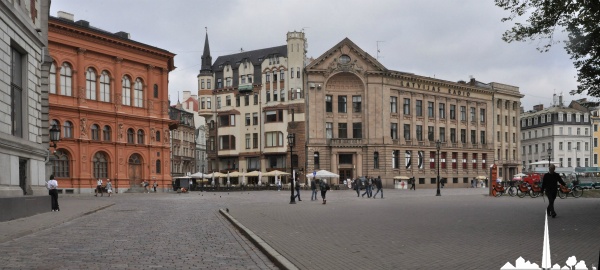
(438, 144)
(54, 136)
(291, 142)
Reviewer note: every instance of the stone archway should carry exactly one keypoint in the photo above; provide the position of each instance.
(135, 171)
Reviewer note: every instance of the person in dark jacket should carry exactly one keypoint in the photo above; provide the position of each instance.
(357, 187)
(412, 183)
(379, 186)
(297, 187)
(313, 187)
(550, 187)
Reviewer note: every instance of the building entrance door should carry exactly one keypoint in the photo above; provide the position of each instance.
(345, 174)
(135, 171)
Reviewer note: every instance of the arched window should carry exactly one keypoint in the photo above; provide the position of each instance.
(155, 90)
(100, 164)
(66, 80)
(126, 84)
(130, 134)
(158, 136)
(106, 134)
(60, 164)
(138, 94)
(104, 87)
(95, 132)
(140, 137)
(90, 84)
(52, 78)
(158, 166)
(68, 130)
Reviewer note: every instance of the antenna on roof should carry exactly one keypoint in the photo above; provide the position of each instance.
(378, 51)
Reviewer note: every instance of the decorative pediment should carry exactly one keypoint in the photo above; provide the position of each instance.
(345, 57)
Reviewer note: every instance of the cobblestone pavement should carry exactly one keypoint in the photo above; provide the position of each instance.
(140, 231)
(462, 229)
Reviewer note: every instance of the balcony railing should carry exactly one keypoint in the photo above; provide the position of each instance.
(345, 142)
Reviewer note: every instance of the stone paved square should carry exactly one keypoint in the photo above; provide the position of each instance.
(462, 229)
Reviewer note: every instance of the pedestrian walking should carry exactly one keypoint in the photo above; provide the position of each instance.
(297, 187)
(412, 184)
(357, 187)
(278, 184)
(550, 187)
(145, 185)
(155, 185)
(324, 188)
(99, 188)
(52, 186)
(108, 187)
(379, 186)
(313, 187)
(365, 182)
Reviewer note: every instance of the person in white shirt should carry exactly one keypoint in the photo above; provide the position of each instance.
(99, 188)
(52, 185)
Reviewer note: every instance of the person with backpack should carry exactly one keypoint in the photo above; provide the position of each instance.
(364, 182)
(324, 188)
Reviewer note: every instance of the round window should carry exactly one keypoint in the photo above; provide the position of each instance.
(344, 59)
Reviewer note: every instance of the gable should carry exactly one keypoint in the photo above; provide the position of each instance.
(346, 56)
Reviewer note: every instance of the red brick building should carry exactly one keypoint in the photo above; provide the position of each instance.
(109, 96)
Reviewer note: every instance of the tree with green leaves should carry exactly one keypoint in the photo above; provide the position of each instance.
(579, 18)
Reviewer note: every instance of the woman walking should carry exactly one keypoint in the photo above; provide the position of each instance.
(324, 188)
(52, 185)
(108, 187)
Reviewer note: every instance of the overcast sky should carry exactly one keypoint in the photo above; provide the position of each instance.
(449, 40)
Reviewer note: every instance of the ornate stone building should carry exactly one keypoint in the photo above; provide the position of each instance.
(109, 96)
(364, 119)
(24, 103)
(183, 142)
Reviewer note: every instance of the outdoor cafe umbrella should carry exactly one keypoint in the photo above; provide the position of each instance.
(323, 174)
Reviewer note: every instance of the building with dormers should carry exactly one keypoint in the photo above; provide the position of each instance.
(251, 101)
(24, 135)
(364, 119)
(109, 96)
(566, 130)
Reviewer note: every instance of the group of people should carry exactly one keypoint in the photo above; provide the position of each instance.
(368, 183)
(146, 185)
(323, 186)
(99, 189)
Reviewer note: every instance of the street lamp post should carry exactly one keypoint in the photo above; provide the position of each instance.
(549, 157)
(54, 136)
(437, 146)
(291, 141)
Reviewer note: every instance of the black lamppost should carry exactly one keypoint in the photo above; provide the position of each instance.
(54, 136)
(291, 141)
(549, 157)
(437, 146)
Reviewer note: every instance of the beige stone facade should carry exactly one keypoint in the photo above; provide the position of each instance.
(363, 119)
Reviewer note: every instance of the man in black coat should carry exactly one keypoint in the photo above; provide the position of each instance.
(379, 186)
(550, 187)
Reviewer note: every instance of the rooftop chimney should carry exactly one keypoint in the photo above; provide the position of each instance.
(538, 107)
(122, 34)
(65, 15)
(83, 23)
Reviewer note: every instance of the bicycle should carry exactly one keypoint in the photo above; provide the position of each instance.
(523, 189)
(573, 189)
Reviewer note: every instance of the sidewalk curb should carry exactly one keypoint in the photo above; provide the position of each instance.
(271, 253)
(47, 226)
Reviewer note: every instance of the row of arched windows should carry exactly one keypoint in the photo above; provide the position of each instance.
(104, 133)
(98, 86)
(62, 164)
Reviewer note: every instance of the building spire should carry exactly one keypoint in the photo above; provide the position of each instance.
(206, 66)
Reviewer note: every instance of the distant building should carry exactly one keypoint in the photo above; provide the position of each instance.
(251, 101)
(25, 63)
(190, 104)
(364, 119)
(566, 130)
(109, 96)
(183, 142)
